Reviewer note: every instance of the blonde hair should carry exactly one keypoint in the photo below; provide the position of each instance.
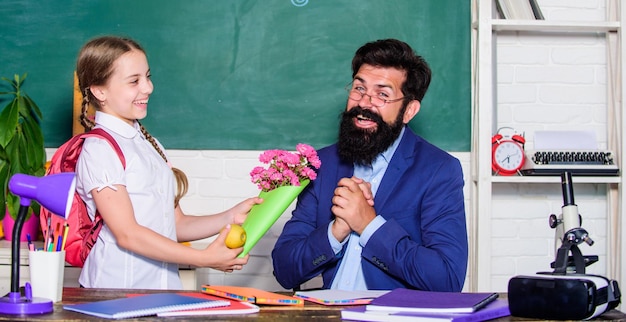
(94, 67)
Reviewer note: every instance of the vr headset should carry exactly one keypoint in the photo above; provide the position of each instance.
(562, 297)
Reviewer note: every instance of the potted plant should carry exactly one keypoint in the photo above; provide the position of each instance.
(21, 146)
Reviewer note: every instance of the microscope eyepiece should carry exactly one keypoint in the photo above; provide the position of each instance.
(568, 189)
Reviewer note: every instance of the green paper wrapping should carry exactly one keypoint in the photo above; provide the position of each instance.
(261, 217)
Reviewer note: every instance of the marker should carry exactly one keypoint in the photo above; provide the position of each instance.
(31, 247)
(50, 244)
(59, 241)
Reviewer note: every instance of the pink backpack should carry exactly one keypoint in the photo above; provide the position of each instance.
(82, 231)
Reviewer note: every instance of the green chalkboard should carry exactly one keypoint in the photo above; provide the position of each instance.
(243, 74)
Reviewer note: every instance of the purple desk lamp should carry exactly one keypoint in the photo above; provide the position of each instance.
(55, 192)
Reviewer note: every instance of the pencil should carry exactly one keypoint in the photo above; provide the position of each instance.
(46, 236)
(66, 228)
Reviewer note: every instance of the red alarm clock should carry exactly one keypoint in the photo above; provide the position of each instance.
(507, 154)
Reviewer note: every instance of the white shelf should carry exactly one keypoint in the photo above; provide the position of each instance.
(485, 31)
(554, 26)
(554, 179)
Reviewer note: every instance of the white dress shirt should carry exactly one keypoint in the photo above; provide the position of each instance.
(350, 273)
(151, 187)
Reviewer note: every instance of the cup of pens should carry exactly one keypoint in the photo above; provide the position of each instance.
(47, 267)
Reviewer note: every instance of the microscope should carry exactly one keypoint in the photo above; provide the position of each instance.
(566, 293)
(569, 233)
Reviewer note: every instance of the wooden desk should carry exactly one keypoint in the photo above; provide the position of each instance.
(308, 312)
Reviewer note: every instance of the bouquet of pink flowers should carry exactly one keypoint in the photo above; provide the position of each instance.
(286, 175)
(286, 168)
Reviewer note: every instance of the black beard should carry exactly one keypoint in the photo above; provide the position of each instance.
(361, 146)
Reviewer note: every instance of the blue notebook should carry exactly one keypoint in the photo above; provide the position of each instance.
(405, 300)
(144, 305)
(493, 310)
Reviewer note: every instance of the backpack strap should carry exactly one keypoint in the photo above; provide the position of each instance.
(92, 235)
(105, 135)
(70, 156)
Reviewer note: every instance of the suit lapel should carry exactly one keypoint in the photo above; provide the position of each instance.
(345, 170)
(399, 164)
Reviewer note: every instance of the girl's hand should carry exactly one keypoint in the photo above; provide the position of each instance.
(240, 211)
(222, 258)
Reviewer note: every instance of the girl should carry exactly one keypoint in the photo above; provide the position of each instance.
(138, 245)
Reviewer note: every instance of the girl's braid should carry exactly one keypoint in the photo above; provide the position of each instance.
(182, 184)
(87, 123)
(152, 141)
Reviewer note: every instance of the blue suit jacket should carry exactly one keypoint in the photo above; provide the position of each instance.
(423, 244)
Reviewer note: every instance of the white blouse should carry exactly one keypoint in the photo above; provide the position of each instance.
(151, 186)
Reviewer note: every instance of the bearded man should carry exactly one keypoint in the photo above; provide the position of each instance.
(387, 209)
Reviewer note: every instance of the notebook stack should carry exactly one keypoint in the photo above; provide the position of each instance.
(412, 305)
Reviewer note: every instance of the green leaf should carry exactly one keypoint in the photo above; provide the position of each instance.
(13, 155)
(32, 126)
(33, 108)
(8, 122)
(34, 147)
(13, 204)
(3, 208)
(24, 154)
(8, 80)
(18, 81)
(3, 154)
(4, 181)
(35, 209)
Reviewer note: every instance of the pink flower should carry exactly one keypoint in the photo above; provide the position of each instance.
(286, 168)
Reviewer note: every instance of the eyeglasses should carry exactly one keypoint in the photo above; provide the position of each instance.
(378, 100)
